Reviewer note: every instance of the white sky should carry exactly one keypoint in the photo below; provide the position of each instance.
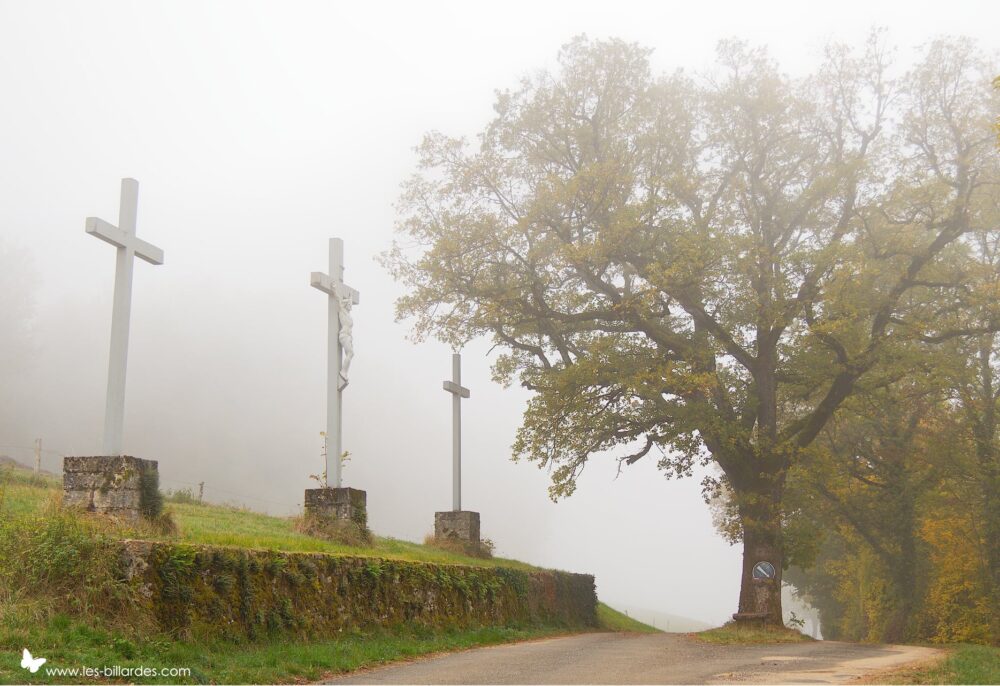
(258, 130)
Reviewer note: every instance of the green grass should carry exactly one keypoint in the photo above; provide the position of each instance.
(738, 634)
(22, 492)
(53, 610)
(220, 525)
(965, 664)
(610, 619)
(66, 643)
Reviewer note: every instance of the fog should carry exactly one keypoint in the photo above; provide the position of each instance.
(259, 130)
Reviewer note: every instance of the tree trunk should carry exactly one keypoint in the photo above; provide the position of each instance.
(904, 590)
(760, 598)
(896, 628)
(992, 531)
(899, 553)
(985, 433)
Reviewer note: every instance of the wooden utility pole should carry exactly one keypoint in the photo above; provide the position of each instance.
(38, 455)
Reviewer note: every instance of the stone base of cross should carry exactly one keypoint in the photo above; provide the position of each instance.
(457, 525)
(121, 487)
(338, 504)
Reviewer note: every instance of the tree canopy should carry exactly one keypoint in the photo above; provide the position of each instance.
(706, 267)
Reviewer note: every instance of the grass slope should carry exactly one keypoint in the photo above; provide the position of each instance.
(610, 619)
(965, 664)
(664, 621)
(220, 525)
(21, 492)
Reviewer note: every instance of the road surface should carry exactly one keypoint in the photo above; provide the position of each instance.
(607, 658)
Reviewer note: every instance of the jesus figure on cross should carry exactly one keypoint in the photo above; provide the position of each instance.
(346, 339)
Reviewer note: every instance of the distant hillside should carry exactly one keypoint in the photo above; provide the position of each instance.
(663, 621)
(8, 461)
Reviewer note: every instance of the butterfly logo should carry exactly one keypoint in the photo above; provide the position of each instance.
(31, 663)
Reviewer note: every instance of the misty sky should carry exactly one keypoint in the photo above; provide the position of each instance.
(259, 130)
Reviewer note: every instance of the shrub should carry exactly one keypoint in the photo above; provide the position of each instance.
(182, 496)
(483, 549)
(343, 531)
(150, 498)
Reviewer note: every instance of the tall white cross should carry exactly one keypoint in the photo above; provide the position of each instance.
(458, 392)
(122, 237)
(340, 298)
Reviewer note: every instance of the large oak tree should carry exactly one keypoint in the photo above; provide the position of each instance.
(703, 268)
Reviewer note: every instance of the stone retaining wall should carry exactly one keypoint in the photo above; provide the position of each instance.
(203, 589)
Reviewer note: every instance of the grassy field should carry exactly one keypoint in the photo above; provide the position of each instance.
(735, 634)
(965, 664)
(22, 492)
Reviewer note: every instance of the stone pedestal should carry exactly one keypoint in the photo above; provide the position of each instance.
(120, 486)
(460, 526)
(338, 503)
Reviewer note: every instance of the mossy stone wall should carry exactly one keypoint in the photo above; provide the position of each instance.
(197, 590)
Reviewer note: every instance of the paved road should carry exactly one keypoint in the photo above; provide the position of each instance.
(604, 658)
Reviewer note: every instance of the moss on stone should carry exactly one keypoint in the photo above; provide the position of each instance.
(251, 593)
(150, 498)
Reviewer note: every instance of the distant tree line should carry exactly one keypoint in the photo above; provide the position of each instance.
(893, 521)
(898, 521)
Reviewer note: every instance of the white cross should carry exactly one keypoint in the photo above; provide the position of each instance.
(341, 297)
(124, 239)
(458, 392)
